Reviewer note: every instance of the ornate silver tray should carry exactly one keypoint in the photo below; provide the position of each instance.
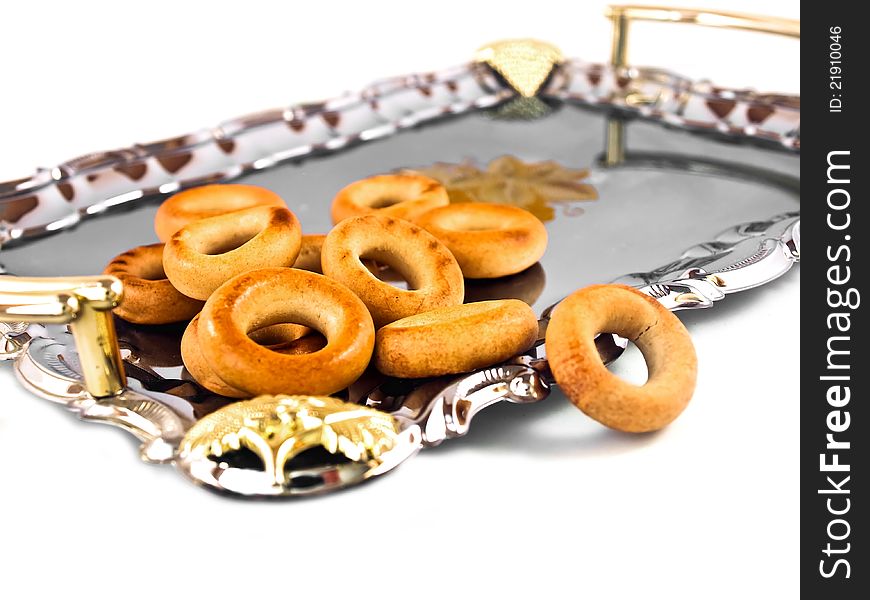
(696, 196)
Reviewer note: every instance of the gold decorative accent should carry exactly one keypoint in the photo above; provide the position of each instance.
(85, 303)
(688, 299)
(508, 180)
(524, 63)
(277, 428)
(716, 280)
(614, 142)
(521, 109)
(623, 15)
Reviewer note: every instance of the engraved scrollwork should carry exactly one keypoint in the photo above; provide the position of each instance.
(741, 257)
(279, 429)
(450, 411)
(50, 368)
(13, 340)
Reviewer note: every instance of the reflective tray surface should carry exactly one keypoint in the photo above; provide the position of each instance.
(675, 190)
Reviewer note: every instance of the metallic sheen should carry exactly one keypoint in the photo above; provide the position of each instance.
(279, 429)
(623, 15)
(525, 63)
(85, 303)
(295, 446)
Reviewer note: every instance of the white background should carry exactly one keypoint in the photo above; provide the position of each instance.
(536, 500)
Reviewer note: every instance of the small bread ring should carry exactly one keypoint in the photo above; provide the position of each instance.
(400, 195)
(455, 339)
(149, 297)
(209, 201)
(206, 253)
(260, 298)
(309, 253)
(196, 365)
(285, 338)
(429, 268)
(488, 240)
(660, 336)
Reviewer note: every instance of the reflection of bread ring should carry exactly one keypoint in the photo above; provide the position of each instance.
(488, 240)
(428, 267)
(659, 335)
(400, 195)
(260, 298)
(154, 346)
(455, 339)
(149, 297)
(309, 253)
(526, 286)
(206, 253)
(209, 201)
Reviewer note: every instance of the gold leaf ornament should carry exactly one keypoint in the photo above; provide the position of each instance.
(524, 63)
(534, 186)
(278, 428)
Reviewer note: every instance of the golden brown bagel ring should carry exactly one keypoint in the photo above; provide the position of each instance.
(309, 254)
(400, 195)
(265, 297)
(455, 339)
(209, 201)
(431, 271)
(196, 365)
(206, 253)
(149, 297)
(488, 240)
(660, 336)
(286, 338)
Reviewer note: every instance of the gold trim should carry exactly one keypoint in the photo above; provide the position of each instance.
(614, 142)
(20, 307)
(524, 63)
(619, 38)
(622, 16)
(85, 303)
(534, 186)
(278, 428)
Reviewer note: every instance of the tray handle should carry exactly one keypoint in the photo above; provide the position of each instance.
(85, 303)
(621, 17)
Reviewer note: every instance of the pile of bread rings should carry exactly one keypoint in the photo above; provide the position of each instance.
(273, 311)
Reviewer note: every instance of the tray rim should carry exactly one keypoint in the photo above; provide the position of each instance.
(53, 199)
(51, 204)
(652, 94)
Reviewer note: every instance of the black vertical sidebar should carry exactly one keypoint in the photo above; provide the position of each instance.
(834, 192)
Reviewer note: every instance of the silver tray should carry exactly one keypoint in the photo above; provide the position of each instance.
(698, 196)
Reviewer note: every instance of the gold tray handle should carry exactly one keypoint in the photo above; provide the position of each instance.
(86, 304)
(622, 15)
